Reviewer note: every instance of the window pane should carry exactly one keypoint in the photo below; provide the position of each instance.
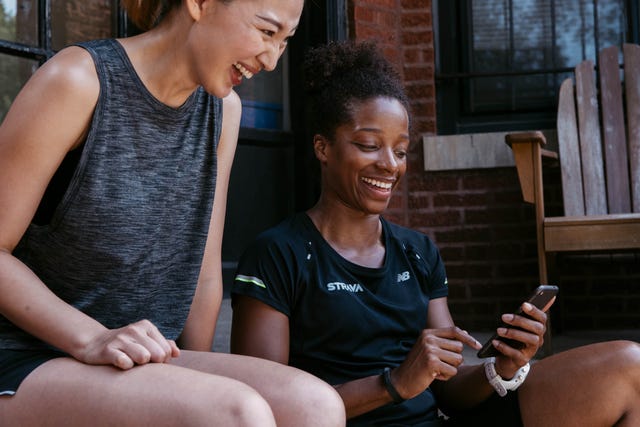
(529, 35)
(264, 102)
(14, 72)
(18, 21)
(80, 20)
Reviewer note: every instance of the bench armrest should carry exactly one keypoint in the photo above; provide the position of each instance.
(535, 137)
(528, 153)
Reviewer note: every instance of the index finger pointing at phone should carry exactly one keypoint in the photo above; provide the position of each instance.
(466, 338)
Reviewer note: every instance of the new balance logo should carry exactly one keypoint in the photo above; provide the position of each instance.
(339, 286)
(403, 277)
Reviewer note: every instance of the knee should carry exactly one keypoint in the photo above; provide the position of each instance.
(250, 409)
(239, 405)
(317, 403)
(625, 354)
(621, 363)
(630, 355)
(329, 405)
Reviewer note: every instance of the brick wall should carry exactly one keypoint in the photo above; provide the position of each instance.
(485, 232)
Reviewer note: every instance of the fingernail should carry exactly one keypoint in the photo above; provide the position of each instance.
(527, 306)
(502, 331)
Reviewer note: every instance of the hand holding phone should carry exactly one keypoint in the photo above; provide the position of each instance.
(541, 298)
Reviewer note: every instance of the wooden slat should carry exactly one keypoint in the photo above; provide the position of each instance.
(632, 87)
(569, 151)
(606, 232)
(590, 143)
(613, 132)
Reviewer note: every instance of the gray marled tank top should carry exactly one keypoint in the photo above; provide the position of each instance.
(127, 239)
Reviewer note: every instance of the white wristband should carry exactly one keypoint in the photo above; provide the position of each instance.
(501, 386)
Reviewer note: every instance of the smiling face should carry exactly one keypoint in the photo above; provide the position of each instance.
(367, 158)
(234, 40)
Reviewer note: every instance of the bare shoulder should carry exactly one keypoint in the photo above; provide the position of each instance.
(232, 104)
(76, 60)
(71, 70)
(62, 94)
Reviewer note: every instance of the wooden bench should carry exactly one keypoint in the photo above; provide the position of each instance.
(599, 155)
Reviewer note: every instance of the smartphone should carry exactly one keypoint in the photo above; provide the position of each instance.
(540, 298)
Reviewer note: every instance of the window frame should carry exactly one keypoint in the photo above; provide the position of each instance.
(43, 51)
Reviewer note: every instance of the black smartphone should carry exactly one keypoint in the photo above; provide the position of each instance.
(540, 298)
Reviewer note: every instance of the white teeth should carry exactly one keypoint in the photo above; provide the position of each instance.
(380, 184)
(246, 73)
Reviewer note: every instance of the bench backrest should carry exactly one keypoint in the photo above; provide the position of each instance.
(600, 153)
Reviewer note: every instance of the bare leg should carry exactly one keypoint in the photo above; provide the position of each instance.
(64, 392)
(595, 385)
(296, 397)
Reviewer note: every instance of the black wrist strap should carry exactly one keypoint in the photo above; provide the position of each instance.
(386, 379)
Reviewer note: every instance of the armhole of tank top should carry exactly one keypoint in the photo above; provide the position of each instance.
(217, 123)
(59, 210)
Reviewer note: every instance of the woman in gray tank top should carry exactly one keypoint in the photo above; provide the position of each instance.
(110, 289)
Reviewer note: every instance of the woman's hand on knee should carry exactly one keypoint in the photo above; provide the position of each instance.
(135, 344)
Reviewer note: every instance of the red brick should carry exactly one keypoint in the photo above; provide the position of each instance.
(380, 3)
(363, 14)
(420, 200)
(451, 252)
(490, 215)
(464, 235)
(416, 4)
(420, 90)
(461, 199)
(416, 19)
(432, 219)
(418, 37)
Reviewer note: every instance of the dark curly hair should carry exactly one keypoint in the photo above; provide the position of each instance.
(340, 74)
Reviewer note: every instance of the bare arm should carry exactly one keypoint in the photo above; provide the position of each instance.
(259, 330)
(199, 329)
(48, 118)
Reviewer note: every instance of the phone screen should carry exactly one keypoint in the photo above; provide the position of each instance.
(540, 298)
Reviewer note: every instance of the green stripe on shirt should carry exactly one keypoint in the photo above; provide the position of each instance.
(250, 279)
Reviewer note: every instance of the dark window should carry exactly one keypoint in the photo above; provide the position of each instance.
(31, 31)
(500, 62)
(264, 98)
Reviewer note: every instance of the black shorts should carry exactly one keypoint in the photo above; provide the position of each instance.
(15, 365)
(496, 412)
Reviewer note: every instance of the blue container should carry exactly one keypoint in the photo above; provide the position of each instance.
(261, 115)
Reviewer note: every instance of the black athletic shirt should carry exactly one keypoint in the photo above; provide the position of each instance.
(348, 321)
